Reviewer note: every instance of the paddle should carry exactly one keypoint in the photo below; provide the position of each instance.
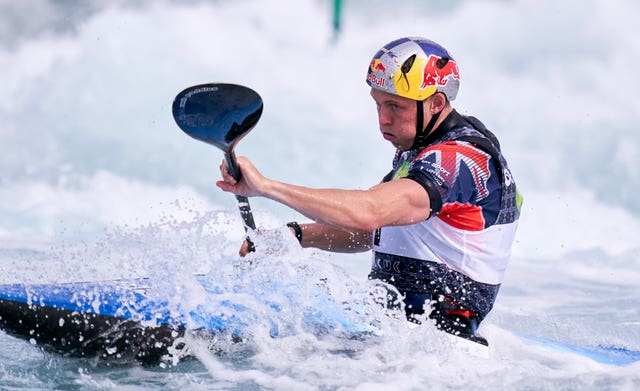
(220, 114)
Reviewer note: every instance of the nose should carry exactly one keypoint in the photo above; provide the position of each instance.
(384, 119)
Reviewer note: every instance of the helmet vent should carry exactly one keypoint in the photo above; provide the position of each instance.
(407, 64)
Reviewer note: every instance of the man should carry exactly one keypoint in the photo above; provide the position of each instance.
(442, 222)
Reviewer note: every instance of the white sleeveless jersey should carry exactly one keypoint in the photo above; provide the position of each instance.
(477, 207)
(482, 255)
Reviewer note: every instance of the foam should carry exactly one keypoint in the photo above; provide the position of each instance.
(88, 145)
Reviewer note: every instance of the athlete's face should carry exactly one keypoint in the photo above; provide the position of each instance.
(397, 118)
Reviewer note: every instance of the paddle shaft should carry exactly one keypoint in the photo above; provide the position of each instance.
(243, 202)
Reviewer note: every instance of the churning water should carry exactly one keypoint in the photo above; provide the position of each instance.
(97, 182)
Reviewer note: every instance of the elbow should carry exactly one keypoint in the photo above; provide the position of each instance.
(364, 226)
(367, 222)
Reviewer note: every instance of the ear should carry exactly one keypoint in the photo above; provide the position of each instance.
(438, 102)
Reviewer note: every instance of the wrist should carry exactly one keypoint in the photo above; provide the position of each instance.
(297, 231)
(267, 188)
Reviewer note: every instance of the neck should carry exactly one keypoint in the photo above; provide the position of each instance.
(443, 115)
(422, 131)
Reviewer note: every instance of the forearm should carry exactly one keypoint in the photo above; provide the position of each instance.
(329, 239)
(348, 210)
(399, 202)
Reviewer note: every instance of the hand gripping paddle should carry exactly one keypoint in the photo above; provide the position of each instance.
(220, 114)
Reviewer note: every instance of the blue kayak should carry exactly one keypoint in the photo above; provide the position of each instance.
(134, 320)
(139, 320)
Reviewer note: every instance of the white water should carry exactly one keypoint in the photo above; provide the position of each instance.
(97, 182)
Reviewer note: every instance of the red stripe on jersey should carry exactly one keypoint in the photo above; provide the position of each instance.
(462, 216)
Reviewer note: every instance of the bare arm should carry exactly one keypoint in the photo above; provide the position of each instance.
(330, 239)
(399, 202)
(326, 238)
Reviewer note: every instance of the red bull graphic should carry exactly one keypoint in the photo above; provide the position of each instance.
(437, 74)
(377, 66)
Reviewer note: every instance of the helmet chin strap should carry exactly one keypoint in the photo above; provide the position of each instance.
(423, 131)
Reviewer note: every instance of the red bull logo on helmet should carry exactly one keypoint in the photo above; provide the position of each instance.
(378, 66)
(437, 72)
(375, 67)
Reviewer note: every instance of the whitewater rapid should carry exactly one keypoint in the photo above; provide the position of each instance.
(97, 182)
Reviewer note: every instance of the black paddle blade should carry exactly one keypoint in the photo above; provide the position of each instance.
(218, 114)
